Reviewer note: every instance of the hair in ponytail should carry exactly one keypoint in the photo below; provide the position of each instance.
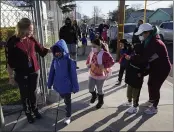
(101, 44)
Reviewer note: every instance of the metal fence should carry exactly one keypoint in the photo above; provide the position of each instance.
(47, 20)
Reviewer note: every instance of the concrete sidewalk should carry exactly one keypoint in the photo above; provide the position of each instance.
(111, 117)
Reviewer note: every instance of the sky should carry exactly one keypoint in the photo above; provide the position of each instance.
(86, 7)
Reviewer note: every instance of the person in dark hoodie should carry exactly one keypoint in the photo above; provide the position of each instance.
(135, 38)
(155, 53)
(63, 75)
(21, 56)
(135, 73)
(69, 34)
(125, 50)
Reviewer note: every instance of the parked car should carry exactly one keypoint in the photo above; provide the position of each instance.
(166, 31)
(128, 31)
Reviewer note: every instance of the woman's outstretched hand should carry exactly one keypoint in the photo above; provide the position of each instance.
(49, 50)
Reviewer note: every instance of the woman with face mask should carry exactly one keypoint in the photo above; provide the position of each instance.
(98, 72)
(156, 54)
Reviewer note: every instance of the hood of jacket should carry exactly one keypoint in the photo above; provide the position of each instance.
(61, 44)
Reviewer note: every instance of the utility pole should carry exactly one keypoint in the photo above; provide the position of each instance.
(145, 11)
(120, 33)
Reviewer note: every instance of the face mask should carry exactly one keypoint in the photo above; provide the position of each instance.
(94, 50)
(68, 23)
(141, 38)
(58, 55)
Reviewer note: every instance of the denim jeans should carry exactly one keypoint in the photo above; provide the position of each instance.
(73, 51)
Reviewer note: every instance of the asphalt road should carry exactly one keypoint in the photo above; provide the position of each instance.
(170, 51)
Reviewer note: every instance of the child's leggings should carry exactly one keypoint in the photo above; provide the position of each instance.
(98, 83)
(133, 93)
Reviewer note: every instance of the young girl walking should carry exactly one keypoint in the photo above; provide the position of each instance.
(99, 61)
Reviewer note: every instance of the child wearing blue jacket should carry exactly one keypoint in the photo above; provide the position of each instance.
(63, 75)
(92, 35)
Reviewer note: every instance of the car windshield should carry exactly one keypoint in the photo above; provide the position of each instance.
(129, 28)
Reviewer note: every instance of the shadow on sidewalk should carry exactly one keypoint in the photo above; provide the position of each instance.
(83, 104)
(122, 122)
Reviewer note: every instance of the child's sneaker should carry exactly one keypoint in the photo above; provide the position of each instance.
(147, 104)
(127, 104)
(151, 110)
(133, 110)
(67, 120)
(118, 83)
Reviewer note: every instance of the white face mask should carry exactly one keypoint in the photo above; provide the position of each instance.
(95, 50)
(141, 38)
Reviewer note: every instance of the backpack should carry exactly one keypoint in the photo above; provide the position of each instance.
(108, 71)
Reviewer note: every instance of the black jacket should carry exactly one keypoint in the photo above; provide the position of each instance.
(17, 57)
(78, 32)
(132, 72)
(135, 68)
(68, 33)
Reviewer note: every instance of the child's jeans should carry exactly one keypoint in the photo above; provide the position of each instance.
(133, 93)
(121, 72)
(73, 51)
(67, 100)
(83, 49)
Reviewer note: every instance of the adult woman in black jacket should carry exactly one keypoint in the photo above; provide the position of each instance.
(21, 57)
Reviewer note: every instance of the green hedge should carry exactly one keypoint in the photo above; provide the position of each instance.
(7, 32)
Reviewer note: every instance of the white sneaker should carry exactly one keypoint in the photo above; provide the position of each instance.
(67, 120)
(151, 110)
(147, 104)
(127, 104)
(133, 110)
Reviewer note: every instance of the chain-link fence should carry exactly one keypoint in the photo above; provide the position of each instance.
(11, 13)
(47, 20)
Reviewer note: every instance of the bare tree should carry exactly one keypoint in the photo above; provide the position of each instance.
(136, 6)
(114, 15)
(96, 14)
(85, 18)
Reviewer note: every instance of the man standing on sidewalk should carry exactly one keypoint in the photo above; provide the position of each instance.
(78, 33)
(84, 28)
(135, 38)
(68, 33)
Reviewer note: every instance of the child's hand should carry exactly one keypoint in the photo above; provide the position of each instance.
(139, 75)
(88, 65)
(127, 57)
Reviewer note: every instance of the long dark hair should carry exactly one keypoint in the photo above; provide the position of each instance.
(99, 43)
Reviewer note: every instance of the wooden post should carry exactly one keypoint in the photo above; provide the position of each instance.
(145, 11)
(120, 34)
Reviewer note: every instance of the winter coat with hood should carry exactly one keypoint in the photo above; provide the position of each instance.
(63, 75)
